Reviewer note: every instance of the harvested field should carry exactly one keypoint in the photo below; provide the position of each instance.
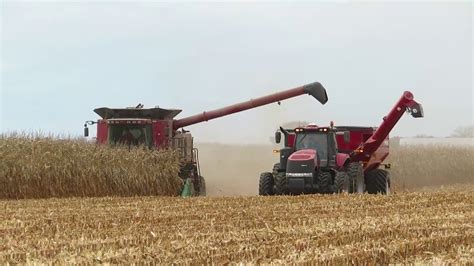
(42, 167)
(432, 227)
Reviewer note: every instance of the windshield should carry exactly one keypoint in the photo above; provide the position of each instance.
(130, 135)
(315, 140)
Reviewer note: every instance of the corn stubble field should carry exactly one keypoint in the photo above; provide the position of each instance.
(426, 227)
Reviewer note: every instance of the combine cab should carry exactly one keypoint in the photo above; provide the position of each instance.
(335, 159)
(157, 128)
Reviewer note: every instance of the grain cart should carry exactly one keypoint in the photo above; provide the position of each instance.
(333, 159)
(157, 128)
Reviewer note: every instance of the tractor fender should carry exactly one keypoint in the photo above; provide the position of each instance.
(342, 160)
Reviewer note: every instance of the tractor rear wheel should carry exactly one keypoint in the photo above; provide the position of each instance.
(265, 185)
(377, 181)
(324, 182)
(341, 182)
(202, 188)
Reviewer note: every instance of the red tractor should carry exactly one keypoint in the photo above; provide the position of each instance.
(335, 159)
(157, 128)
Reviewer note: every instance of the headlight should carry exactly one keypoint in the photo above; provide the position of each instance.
(299, 174)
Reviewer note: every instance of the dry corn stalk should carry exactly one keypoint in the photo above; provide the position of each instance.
(42, 167)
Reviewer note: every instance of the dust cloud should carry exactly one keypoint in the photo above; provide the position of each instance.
(234, 170)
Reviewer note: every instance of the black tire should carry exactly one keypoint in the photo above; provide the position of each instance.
(377, 181)
(265, 185)
(281, 184)
(341, 182)
(276, 168)
(353, 171)
(202, 188)
(325, 182)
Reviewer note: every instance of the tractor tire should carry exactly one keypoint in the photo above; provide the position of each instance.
(281, 184)
(341, 182)
(377, 181)
(276, 168)
(202, 188)
(266, 184)
(354, 170)
(325, 182)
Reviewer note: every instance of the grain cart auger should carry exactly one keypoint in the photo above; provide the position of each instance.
(335, 159)
(156, 128)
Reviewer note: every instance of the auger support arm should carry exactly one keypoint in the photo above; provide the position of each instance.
(314, 89)
(406, 103)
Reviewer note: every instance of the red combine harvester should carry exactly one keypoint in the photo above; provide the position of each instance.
(157, 128)
(335, 159)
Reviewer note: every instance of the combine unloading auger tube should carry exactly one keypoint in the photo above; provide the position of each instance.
(314, 89)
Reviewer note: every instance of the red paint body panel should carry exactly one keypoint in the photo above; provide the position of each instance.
(162, 133)
(341, 159)
(303, 155)
(102, 132)
(358, 135)
(291, 140)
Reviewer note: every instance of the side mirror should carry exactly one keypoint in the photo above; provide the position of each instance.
(278, 137)
(86, 131)
(347, 136)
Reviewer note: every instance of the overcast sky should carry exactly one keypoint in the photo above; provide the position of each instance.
(59, 61)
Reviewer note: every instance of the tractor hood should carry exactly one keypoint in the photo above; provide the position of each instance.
(301, 164)
(303, 155)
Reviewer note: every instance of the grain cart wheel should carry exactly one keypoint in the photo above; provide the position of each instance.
(202, 188)
(355, 173)
(377, 181)
(341, 182)
(281, 185)
(324, 182)
(265, 185)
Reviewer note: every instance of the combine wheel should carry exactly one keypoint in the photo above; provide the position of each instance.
(266, 183)
(324, 182)
(377, 181)
(202, 188)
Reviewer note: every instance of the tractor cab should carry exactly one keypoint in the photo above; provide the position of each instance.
(320, 139)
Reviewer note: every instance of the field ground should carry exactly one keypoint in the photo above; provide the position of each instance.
(432, 227)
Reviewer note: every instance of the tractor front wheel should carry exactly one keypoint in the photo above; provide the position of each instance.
(281, 184)
(377, 181)
(265, 185)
